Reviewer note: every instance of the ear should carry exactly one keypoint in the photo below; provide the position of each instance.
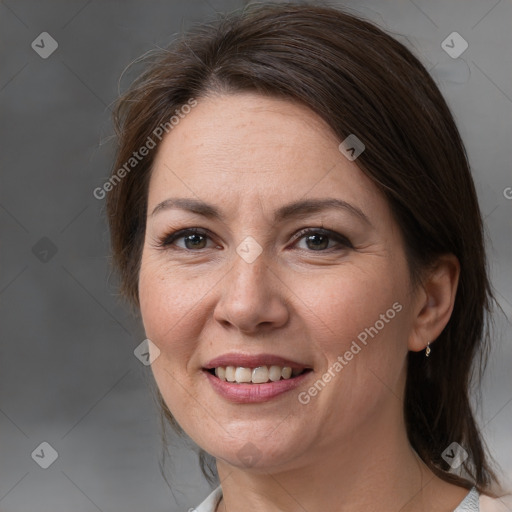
(434, 302)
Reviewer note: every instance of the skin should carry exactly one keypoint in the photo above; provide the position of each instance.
(347, 449)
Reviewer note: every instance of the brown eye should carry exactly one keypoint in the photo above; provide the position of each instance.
(194, 239)
(318, 239)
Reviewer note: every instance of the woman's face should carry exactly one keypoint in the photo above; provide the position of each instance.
(325, 287)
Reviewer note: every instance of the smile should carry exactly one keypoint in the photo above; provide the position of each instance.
(258, 375)
(247, 392)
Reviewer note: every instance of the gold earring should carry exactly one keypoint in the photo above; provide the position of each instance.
(427, 350)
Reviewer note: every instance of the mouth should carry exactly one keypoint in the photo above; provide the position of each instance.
(248, 385)
(256, 375)
(253, 378)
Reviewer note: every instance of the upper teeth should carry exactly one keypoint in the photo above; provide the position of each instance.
(258, 375)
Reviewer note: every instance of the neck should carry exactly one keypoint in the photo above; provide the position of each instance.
(376, 469)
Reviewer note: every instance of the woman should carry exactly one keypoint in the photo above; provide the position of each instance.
(292, 211)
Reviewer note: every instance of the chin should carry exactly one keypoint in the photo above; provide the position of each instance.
(254, 450)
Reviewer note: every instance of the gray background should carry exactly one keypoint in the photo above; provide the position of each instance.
(68, 374)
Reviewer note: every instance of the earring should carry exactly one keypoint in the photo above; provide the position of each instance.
(427, 350)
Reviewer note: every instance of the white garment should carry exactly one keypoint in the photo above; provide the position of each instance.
(210, 503)
(471, 503)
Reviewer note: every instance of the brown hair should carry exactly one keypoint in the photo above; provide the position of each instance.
(360, 81)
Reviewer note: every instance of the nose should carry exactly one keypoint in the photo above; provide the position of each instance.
(252, 297)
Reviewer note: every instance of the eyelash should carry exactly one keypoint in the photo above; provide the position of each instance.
(167, 241)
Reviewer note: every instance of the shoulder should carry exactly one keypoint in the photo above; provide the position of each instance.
(485, 503)
(502, 504)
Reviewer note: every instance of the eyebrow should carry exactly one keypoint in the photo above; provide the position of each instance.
(296, 209)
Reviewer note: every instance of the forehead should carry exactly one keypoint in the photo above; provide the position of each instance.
(246, 147)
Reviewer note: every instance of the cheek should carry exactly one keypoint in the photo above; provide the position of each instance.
(167, 305)
(343, 305)
(360, 327)
(361, 317)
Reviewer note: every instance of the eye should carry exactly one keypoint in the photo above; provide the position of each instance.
(194, 239)
(318, 239)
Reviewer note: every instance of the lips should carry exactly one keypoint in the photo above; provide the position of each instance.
(245, 378)
(254, 393)
(253, 361)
